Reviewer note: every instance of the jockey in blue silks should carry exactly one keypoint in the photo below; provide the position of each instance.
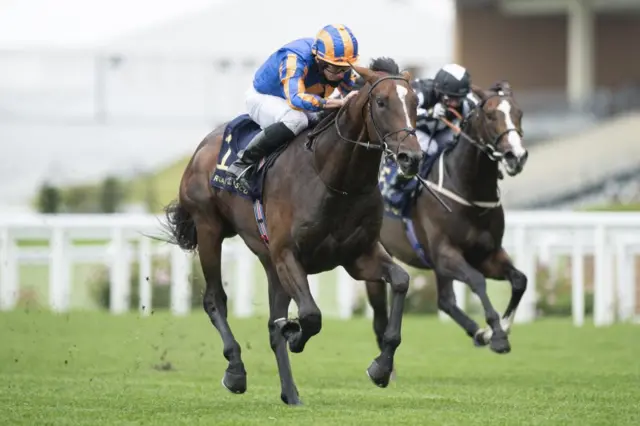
(292, 86)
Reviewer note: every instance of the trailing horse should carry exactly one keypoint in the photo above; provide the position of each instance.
(466, 243)
(315, 206)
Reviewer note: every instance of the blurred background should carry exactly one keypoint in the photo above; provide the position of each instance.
(103, 102)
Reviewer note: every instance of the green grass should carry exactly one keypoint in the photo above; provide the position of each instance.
(97, 369)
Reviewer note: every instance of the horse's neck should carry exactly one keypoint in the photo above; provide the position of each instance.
(343, 165)
(474, 175)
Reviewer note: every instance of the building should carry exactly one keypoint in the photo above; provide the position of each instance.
(577, 47)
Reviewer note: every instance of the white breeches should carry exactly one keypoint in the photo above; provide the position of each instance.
(267, 110)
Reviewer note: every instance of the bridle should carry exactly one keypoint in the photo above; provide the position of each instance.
(489, 148)
(380, 144)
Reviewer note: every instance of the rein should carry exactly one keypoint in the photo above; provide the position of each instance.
(490, 149)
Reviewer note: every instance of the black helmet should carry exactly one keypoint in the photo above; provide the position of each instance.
(453, 80)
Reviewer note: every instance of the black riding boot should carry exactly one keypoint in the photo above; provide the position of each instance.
(263, 144)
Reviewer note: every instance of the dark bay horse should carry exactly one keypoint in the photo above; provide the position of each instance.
(466, 243)
(322, 208)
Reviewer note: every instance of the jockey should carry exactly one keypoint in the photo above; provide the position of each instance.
(292, 86)
(450, 88)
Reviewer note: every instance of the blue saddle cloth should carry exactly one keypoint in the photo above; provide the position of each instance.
(399, 193)
(237, 135)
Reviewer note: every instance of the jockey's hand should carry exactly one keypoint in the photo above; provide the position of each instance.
(439, 110)
(350, 95)
(334, 103)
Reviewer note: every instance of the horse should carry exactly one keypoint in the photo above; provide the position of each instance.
(316, 206)
(465, 243)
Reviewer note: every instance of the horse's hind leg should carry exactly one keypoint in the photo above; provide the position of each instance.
(378, 266)
(450, 263)
(447, 304)
(278, 308)
(500, 267)
(215, 301)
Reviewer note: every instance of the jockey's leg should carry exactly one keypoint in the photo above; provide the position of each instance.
(280, 124)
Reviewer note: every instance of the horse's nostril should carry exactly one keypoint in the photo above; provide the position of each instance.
(509, 155)
(403, 157)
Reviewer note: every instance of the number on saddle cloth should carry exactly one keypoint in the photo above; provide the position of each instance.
(237, 135)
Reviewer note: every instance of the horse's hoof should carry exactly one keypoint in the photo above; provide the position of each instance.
(234, 382)
(378, 375)
(295, 346)
(500, 346)
(294, 401)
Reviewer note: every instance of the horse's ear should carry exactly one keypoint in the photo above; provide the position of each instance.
(407, 75)
(480, 92)
(369, 75)
(502, 86)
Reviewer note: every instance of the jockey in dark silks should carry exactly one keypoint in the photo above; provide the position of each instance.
(449, 89)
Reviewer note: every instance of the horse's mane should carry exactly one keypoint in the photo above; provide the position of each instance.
(382, 64)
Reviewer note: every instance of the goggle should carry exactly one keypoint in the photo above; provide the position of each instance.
(334, 69)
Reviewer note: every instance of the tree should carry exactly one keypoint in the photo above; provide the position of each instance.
(49, 199)
(111, 195)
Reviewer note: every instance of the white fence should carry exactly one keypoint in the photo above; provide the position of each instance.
(531, 238)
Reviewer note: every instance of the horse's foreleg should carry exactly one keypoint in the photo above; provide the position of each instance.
(278, 307)
(295, 284)
(451, 264)
(377, 295)
(447, 304)
(378, 266)
(500, 267)
(215, 302)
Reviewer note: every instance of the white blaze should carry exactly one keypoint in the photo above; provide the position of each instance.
(513, 137)
(402, 94)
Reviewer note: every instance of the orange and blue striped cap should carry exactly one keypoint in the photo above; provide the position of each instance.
(336, 45)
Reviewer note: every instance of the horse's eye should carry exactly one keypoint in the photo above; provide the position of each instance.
(381, 102)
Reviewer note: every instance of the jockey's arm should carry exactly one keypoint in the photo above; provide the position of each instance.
(292, 73)
(427, 100)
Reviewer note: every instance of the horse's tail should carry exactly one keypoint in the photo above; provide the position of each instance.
(180, 226)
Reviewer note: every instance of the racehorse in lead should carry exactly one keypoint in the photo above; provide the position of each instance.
(316, 206)
(465, 243)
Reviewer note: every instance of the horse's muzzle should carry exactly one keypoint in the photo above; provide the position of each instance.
(409, 162)
(514, 164)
